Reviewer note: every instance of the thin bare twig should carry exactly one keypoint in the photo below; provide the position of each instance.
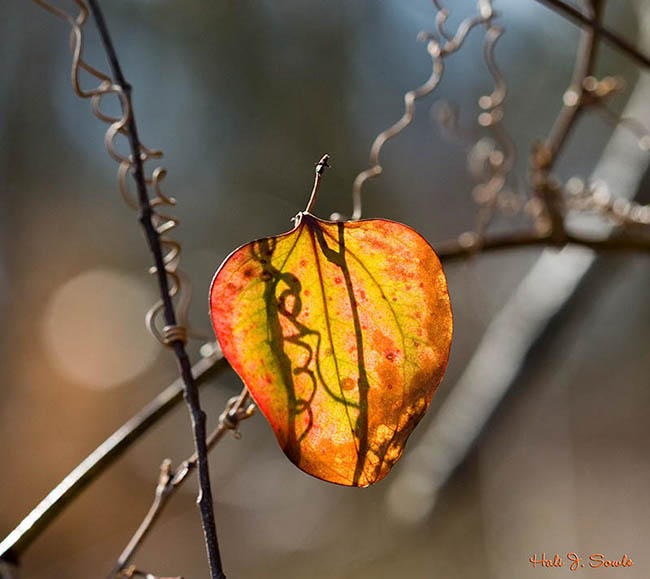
(237, 409)
(607, 35)
(176, 339)
(545, 154)
(33, 525)
(463, 247)
(499, 159)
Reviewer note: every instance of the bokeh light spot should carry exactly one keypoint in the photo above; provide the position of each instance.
(94, 331)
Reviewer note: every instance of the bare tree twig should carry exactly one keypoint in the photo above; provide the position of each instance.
(463, 247)
(545, 154)
(499, 159)
(237, 409)
(177, 340)
(513, 332)
(614, 39)
(33, 525)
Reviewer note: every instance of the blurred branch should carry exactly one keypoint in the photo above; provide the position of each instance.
(545, 154)
(467, 244)
(237, 409)
(133, 571)
(8, 570)
(33, 525)
(571, 13)
(499, 159)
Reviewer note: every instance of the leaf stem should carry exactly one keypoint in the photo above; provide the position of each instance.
(320, 169)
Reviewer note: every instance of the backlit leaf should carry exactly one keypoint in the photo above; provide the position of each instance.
(341, 332)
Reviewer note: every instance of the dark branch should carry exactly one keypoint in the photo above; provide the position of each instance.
(607, 35)
(153, 238)
(31, 527)
(455, 249)
(237, 409)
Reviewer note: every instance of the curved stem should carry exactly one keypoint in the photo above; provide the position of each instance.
(320, 169)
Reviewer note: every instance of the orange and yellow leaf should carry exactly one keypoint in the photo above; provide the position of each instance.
(341, 332)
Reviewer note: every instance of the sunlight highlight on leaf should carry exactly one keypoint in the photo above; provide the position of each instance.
(341, 332)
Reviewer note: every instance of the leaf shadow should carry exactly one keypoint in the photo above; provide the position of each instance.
(283, 303)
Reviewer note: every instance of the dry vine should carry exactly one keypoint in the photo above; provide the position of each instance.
(548, 205)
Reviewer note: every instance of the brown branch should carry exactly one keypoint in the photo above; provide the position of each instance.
(545, 154)
(612, 38)
(153, 238)
(33, 525)
(237, 409)
(460, 249)
(583, 67)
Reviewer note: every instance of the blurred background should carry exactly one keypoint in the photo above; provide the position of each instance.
(537, 438)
